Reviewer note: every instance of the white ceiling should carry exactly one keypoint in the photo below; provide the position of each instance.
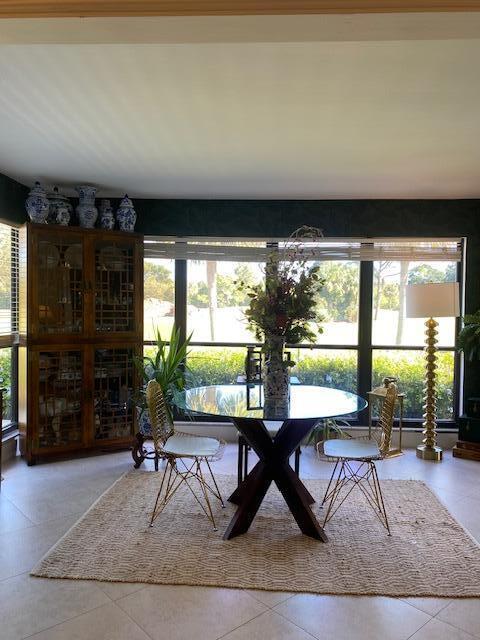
(333, 118)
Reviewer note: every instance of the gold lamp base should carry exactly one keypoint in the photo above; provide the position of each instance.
(429, 453)
(428, 450)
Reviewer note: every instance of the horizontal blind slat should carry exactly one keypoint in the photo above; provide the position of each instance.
(8, 280)
(322, 250)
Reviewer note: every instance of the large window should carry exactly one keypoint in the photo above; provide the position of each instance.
(393, 330)
(365, 335)
(216, 301)
(8, 319)
(390, 325)
(159, 297)
(338, 302)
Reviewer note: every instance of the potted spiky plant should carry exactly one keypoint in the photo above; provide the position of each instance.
(167, 366)
(468, 340)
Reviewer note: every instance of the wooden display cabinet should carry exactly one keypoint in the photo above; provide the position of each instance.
(81, 324)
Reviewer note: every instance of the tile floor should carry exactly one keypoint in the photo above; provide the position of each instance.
(38, 504)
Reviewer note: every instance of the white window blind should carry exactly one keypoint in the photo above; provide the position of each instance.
(248, 250)
(8, 280)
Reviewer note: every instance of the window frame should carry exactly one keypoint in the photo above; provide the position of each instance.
(364, 347)
(11, 340)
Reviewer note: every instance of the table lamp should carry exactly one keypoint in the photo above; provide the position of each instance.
(431, 301)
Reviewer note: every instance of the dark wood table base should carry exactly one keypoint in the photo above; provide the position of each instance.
(273, 466)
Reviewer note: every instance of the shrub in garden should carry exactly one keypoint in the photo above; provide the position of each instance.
(5, 378)
(222, 366)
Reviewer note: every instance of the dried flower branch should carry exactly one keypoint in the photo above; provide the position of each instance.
(284, 306)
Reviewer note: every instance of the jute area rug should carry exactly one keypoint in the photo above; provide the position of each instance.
(428, 554)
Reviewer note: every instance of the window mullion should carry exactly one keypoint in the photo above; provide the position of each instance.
(365, 314)
(181, 297)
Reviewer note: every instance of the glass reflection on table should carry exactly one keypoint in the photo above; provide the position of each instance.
(246, 401)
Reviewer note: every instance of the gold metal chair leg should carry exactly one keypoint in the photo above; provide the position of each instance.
(168, 469)
(381, 502)
(173, 478)
(365, 477)
(218, 494)
(205, 494)
(329, 483)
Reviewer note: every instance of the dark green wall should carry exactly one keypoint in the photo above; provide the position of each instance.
(336, 217)
(278, 218)
(12, 200)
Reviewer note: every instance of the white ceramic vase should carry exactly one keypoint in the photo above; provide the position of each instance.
(276, 380)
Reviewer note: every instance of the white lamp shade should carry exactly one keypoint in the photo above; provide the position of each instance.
(430, 300)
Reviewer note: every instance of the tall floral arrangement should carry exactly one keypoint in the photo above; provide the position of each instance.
(284, 306)
(283, 309)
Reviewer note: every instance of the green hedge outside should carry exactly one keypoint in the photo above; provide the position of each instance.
(409, 368)
(222, 366)
(5, 378)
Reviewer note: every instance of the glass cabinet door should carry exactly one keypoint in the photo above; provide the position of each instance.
(112, 394)
(60, 381)
(60, 284)
(114, 287)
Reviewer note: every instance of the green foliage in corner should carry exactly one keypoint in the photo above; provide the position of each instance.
(468, 339)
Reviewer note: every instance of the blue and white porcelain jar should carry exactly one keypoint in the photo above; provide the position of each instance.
(37, 204)
(63, 215)
(59, 202)
(107, 219)
(86, 209)
(126, 215)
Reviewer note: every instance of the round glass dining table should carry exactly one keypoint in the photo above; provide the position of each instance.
(243, 405)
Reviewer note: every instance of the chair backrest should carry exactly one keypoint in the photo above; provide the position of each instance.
(385, 423)
(162, 428)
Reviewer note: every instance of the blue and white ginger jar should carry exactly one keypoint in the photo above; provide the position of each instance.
(126, 215)
(60, 208)
(86, 209)
(107, 219)
(37, 204)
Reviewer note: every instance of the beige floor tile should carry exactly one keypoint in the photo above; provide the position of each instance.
(447, 497)
(269, 625)
(21, 550)
(105, 623)
(58, 504)
(176, 612)
(116, 590)
(463, 614)
(46, 491)
(269, 598)
(467, 512)
(437, 630)
(429, 605)
(29, 605)
(11, 518)
(347, 617)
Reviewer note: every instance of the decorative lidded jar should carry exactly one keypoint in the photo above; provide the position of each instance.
(107, 219)
(37, 204)
(126, 215)
(86, 209)
(60, 208)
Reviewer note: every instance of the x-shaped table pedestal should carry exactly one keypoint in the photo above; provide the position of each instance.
(273, 466)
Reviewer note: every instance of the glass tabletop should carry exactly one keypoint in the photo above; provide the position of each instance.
(246, 401)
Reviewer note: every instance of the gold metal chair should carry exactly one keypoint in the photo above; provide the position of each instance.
(347, 453)
(175, 447)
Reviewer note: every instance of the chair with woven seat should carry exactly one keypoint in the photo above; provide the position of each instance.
(355, 464)
(175, 447)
